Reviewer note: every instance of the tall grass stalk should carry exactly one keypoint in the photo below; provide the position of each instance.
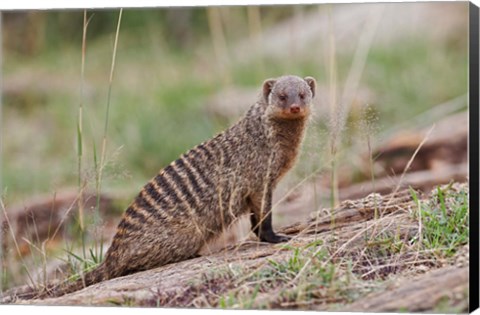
(80, 134)
(368, 127)
(407, 167)
(360, 60)
(2, 267)
(99, 168)
(4, 210)
(420, 225)
(1, 97)
(333, 105)
(372, 173)
(339, 109)
(255, 29)
(219, 43)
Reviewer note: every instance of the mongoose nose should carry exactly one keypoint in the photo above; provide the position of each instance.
(294, 109)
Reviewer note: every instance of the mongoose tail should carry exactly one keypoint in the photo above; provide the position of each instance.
(55, 289)
(91, 277)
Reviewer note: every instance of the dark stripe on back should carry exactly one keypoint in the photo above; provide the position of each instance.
(169, 190)
(150, 189)
(193, 161)
(190, 175)
(127, 226)
(167, 200)
(206, 151)
(231, 144)
(226, 150)
(173, 173)
(143, 203)
(159, 198)
(221, 149)
(136, 215)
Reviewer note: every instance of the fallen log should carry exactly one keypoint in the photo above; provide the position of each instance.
(421, 180)
(420, 294)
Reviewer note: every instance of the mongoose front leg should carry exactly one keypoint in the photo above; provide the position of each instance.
(264, 230)
(261, 219)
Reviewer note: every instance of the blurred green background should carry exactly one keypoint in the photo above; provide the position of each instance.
(173, 65)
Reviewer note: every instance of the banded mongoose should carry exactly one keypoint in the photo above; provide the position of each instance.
(198, 195)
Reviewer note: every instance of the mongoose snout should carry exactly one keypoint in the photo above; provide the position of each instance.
(294, 109)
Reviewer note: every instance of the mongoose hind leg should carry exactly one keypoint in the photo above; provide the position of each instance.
(134, 251)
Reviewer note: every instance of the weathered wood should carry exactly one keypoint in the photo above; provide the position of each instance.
(445, 146)
(422, 180)
(420, 294)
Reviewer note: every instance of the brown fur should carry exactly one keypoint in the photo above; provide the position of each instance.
(197, 196)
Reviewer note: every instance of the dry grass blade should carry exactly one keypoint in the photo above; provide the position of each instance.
(339, 110)
(219, 42)
(99, 171)
(9, 226)
(411, 160)
(360, 58)
(80, 184)
(255, 29)
(112, 69)
(1, 108)
(334, 109)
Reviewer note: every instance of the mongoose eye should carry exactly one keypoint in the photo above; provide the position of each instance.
(282, 97)
(301, 95)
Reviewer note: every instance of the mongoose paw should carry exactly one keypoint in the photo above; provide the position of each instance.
(276, 238)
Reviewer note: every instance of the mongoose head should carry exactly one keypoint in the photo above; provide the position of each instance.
(288, 97)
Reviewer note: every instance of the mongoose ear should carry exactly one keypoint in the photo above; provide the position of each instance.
(312, 84)
(267, 88)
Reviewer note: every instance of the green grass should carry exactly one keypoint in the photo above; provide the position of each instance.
(78, 265)
(445, 218)
(275, 285)
(414, 77)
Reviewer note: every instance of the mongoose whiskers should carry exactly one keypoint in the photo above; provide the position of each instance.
(198, 195)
